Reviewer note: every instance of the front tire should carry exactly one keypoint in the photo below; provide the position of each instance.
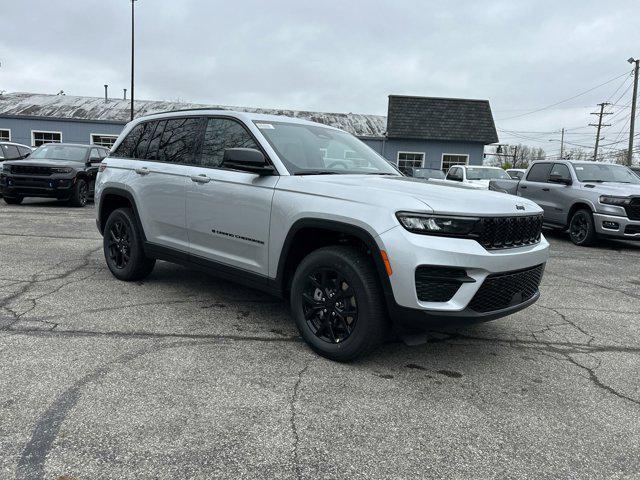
(80, 194)
(13, 200)
(582, 230)
(337, 303)
(123, 250)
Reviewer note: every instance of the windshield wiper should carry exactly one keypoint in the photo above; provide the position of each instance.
(383, 173)
(594, 181)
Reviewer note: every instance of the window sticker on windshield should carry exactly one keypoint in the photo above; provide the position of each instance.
(579, 168)
(265, 126)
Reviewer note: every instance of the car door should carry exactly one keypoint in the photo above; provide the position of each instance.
(159, 187)
(532, 186)
(228, 211)
(557, 195)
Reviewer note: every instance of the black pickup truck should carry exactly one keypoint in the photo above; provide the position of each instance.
(56, 170)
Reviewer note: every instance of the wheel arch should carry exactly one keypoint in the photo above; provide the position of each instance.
(580, 205)
(309, 234)
(113, 198)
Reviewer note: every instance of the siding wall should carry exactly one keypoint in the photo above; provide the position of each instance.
(72, 131)
(433, 150)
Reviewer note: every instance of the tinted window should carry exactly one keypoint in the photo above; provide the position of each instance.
(128, 146)
(24, 151)
(140, 150)
(455, 174)
(95, 153)
(154, 141)
(560, 170)
(222, 133)
(539, 172)
(11, 152)
(179, 139)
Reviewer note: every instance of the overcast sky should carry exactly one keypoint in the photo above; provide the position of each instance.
(343, 56)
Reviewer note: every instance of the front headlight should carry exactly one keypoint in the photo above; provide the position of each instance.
(617, 201)
(448, 226)
(60, 170)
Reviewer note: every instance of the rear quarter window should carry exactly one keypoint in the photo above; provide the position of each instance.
(539, 172)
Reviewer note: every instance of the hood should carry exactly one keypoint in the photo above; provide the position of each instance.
(611, 188)
(45, 162)
(406, 193)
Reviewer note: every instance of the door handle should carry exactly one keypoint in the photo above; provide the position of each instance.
(202, 178)
(143, 171)
(545, 189)
(523, 186)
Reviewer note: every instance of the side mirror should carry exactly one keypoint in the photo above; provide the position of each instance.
(247, 159)
(560, 179)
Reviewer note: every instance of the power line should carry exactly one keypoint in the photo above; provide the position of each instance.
(565, 100)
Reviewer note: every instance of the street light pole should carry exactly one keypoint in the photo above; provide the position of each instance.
(132, 51)
(633, 107)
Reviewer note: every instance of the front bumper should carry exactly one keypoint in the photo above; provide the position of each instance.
(52, 186)
(617, 227)
(407, 251)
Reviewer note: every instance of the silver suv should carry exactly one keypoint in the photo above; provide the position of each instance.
(308, 212)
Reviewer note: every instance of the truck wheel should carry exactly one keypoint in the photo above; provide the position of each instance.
(80, 193)
(581, 228)
(122, 245)
(337, 303)
(13, 200)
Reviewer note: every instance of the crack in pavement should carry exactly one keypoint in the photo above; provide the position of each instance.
(294, 426)
(31, 464)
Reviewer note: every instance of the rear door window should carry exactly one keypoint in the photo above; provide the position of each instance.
(539, 172)
(179, 140)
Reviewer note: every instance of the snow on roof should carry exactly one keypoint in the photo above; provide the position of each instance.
(117, 111)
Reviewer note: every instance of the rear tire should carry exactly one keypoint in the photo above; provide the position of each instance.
(80, 194)
(337, 303)
(13, 200)
(582, 230)
(122, 245)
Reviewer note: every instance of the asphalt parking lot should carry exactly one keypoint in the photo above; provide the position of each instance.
(186, 376)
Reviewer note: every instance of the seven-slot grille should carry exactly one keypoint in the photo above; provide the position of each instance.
(507, 232)
(633, 209)
(30, 170)
(503, 290)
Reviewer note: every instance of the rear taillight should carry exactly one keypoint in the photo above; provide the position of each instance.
(102, 167)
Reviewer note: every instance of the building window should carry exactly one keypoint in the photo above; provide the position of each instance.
(408, 160)
(451, 159)
(5, 135)
(103, 140)
(40, 138)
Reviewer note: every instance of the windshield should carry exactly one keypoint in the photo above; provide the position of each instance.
(485, 173)
(428, 173)
(311, 149)
(599, 172)
(60, 152)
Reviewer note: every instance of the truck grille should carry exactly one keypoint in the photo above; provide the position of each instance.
(439, 284)
(502, 290)
(633, 209)
(30, 170)
(509, 232)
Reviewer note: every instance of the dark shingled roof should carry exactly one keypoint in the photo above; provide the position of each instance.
(443, 119)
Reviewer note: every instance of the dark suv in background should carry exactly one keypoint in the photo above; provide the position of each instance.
(57, 170)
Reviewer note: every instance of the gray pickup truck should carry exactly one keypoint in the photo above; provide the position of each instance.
(590, 199)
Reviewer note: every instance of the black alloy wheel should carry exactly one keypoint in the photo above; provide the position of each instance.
(582, 229)
(329, 306)
(119, 244)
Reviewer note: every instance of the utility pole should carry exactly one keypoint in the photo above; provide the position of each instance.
(562, 145)
(633, 107)
(132, 51)
(515, 152)
(600, 114)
